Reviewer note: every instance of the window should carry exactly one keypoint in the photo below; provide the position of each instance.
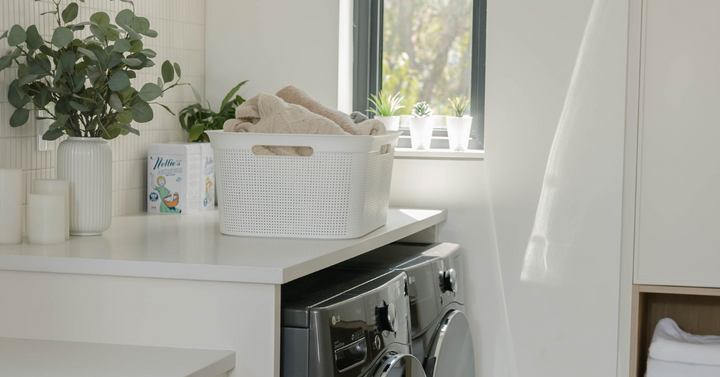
(426, 50)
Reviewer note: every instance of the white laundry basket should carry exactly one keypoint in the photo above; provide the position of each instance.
(341, 191)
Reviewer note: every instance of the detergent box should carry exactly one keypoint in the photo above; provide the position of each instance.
(207, 180)
(176, 178)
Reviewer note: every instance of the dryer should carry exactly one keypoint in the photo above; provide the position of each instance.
(439, 328)
(347, 323)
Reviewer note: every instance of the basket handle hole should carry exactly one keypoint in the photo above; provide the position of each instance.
(384, 149)
(282, 150)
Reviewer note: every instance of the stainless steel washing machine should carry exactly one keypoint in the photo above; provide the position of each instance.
(439, 328)
(347, 323)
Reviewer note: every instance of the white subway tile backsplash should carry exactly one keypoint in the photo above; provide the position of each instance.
(181, 28)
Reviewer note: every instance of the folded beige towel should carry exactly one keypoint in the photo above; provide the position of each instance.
(266, 113)
(372, 127)
(297, 96)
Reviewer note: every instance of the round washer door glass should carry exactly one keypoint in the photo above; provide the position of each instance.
(451, 354)
(400, 366)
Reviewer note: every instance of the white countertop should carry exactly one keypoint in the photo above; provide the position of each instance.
(191, 247)
(47, 358)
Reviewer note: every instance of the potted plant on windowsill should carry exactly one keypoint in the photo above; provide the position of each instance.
(88, 82)
(458, 127)
(421, 126)
(196, 119)
(386, 105)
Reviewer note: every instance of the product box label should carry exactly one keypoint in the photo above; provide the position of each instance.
(167, 184)
(208, 182)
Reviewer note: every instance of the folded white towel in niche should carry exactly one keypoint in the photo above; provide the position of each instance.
(660, 368)
(670, 343)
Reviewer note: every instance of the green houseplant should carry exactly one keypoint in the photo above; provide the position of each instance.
(386, 105)
(421, 126)
(87, 79)
(459, 126)
(196, 119)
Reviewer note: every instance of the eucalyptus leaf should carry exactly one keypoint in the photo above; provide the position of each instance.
(178, 71)
(87, 53)
(49, 12)
(124, 117)
(140, 24)
(131, 33)
(70, 12)
(115, 103)
(118, 81)
(43, 97)
(114, 59)
(79, 107)
(52, 134)
(17, 35)
(150, 92)
(4, 35)
(98, 33)
(33, 40)
(150, 33)
(16, 97)
(128, 128)
(5, 62)
(19, 117)
(62, 36)
(27, 79)
(113, 35)
(132, 62)
(40, 66)
(124, 17)
(136, 46)
(101, 18)
(122, 45)
(149, 53)
(142, 112)
(168, 72)
(67, 60)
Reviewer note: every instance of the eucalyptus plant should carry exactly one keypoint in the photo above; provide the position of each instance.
(196, 119)
(86, 78)
(422, 110)
(386, 104)
(458, 105)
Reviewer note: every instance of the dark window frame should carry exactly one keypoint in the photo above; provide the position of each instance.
(367, 70)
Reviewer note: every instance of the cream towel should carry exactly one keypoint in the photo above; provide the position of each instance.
(297, 96)
(670, 343)
(372, 127)
(266, 113)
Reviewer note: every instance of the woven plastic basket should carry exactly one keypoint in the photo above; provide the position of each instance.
(341, 191)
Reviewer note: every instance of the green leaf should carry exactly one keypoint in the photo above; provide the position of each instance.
(128, 128)
(79, 107)
(196, 131)
(43, 97)
(98, 33)
(150, 92)
(177, 69)
(131, 33)
(111, 134)
(39, 66)
(132, 62)
(60, 122)
(52, 134)
(101, 18)
(22, 70)
(140, 24)
(27, 79)
(231, 94)
(113, 35)
(114, 59)
(4, 35)
(149, 53)
(150, 33)
(5, 62)
(121, 45)
(19, 117)
(70, 12)
(49, 12)
(168, 72)
(87, 53)
(142, 112)
(118, 81)
(78, 82)
(124, 17)
(17, 35)
(166, 108)
(124, 117)
(16, 97)
(136, 46)
(34, 40)
(115, 103)
(62, 36)
(67, 60)
(131, 74)
(198, 98)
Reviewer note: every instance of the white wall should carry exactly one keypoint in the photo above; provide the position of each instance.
(272, 43)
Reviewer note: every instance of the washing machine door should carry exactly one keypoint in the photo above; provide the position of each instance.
(451, 352)
(400, 365)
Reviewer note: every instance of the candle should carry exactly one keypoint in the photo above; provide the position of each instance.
(10, 206)
(59, 187)
(46, 219)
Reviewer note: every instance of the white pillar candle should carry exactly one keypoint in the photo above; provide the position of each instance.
(46, 219)
(10, 206)
(59, 187)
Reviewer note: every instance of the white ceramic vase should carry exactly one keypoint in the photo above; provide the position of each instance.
(86, 162)
(392, 123)
(459, 132)
(421, 130)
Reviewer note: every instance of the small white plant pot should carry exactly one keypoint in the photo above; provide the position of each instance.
(459, 132)
(392, 123)
(421, 130)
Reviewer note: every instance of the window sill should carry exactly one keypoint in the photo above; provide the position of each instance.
(439, 154)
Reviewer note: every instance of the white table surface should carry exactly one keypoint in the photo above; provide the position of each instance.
(46, 358)
(191, 247)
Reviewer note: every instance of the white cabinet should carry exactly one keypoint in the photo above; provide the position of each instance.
(677, 202)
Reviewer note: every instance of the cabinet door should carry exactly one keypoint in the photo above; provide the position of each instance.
(677, 224)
